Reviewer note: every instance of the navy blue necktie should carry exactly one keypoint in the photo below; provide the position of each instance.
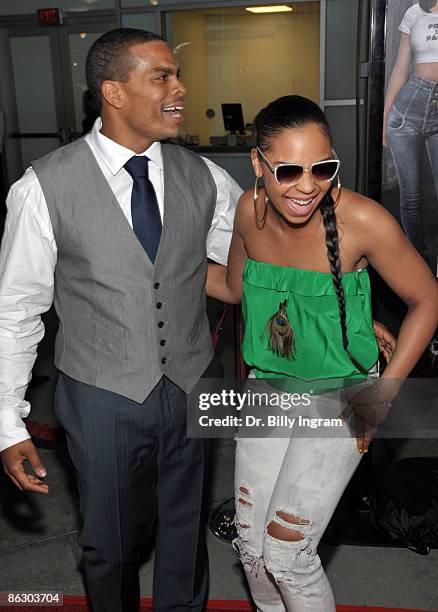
(146, 220)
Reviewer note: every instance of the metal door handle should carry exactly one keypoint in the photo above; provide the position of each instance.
(61, 134)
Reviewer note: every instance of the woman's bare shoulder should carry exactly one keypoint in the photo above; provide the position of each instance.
(367, 221)
(245, 210)
(357, 209)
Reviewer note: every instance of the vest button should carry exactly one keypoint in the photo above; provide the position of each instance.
(162, 342)
(161, 324)
(164, 360)
(159, 305)
(156, 285)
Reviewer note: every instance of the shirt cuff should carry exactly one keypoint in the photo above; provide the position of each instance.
(12, 427)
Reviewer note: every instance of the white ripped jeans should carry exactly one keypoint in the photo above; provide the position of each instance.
(300, 476)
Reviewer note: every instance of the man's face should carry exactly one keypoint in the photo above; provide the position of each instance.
(153, 98)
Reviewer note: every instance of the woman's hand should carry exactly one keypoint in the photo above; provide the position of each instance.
(385, 339)
(365, 411)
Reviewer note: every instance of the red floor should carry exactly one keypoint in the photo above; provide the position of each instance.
(78, 604)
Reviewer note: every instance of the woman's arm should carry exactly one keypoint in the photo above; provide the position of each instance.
(225, 283)
(381, 240)
(398, 78)
(405, 272)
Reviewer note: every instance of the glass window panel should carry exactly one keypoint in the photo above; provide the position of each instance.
(142, 3)
(34, 148)
(34, 82)
(232, 56)
(79, 46)
(341, 38)
(425, 171)
(23, 7)
(238, 165)
(143, 21)
(394, 15)
(166, 3)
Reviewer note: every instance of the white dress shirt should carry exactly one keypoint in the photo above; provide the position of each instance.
(28, 258)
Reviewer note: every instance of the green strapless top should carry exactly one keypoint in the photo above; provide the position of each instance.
(313, 312)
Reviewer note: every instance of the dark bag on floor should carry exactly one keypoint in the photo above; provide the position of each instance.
(404, 503)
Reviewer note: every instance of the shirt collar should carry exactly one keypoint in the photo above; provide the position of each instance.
(115, 155)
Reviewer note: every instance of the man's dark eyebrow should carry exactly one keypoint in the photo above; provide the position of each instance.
(166, 69)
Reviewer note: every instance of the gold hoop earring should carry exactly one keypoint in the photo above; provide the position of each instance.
(259, 222)
(256, 187)
(339, 188)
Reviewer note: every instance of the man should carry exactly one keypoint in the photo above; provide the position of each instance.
(113, 228)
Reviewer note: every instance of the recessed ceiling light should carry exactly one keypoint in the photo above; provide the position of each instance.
(269, 9)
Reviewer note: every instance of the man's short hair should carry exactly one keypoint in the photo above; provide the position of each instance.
(109, 58)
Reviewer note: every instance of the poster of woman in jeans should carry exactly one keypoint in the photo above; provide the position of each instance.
(411, 122)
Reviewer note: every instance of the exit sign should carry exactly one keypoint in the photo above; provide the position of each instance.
(49, 17)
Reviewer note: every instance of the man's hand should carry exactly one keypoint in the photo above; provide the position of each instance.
(385, 339)
(13, 459)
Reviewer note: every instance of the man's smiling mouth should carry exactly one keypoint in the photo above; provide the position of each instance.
(173, 110)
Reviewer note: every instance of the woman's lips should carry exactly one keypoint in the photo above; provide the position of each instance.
(300, 207)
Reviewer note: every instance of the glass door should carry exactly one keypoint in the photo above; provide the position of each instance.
(42, 86)
(34, 111)
(78, 40)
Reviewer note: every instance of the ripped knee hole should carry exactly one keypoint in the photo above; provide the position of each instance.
(285, 532)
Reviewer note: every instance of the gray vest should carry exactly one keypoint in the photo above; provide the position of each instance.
(125, 322)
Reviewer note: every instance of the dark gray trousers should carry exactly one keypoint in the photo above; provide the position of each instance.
(133, 464)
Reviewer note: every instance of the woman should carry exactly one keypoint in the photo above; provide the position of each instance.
(299, 253)
(411, 115)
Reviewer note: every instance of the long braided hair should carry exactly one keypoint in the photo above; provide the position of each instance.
(291, 112)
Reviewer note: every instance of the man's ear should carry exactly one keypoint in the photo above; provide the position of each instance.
(256, 163)
(112, 93)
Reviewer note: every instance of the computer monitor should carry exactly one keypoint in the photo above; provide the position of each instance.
(233, 118)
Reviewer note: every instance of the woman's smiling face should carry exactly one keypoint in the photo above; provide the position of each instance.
(296, 202)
